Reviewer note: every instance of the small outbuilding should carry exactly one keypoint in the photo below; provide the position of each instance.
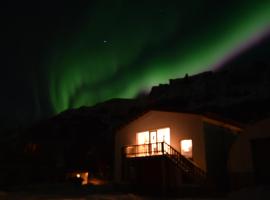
(249, 161)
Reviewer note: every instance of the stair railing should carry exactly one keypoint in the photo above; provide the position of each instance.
(162, 148)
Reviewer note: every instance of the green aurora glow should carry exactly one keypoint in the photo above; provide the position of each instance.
(124, 48)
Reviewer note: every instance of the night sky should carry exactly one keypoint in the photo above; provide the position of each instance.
(59, 55)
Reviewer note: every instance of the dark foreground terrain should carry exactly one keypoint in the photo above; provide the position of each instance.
(68, 192)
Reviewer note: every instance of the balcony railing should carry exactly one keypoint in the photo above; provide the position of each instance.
(162, 148)
(144, 150)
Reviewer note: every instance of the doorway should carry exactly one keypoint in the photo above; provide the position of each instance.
(153, 135)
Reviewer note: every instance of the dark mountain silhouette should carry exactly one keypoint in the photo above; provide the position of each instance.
(237, 92)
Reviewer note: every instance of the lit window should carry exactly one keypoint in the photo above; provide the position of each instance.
(186, 148)
(155, 138)
(163, 135)
(143, 137)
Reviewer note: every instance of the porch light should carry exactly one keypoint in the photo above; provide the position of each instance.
(83, 176)
(186, 148)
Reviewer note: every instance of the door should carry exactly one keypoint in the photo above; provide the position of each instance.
(153, 135)
(143, 143)
(163, 135)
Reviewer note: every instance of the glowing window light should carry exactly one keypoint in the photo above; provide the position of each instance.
(153, 140)
(186, 148)
(143, 137)
(153, 137)
(163, 135)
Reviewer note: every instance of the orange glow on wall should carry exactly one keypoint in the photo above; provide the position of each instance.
(186, 148)
(79, 174)
(96, 181)
(84, 176)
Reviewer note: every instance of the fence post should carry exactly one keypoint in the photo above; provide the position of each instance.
(162, 148)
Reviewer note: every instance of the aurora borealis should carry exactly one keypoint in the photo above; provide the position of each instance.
(146, 43)
(88, 53)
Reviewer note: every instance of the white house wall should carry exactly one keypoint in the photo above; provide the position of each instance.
(182, 126)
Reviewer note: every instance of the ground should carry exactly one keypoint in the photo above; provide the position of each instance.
(252, 193)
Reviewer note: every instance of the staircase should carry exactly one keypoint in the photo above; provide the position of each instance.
(189, 168)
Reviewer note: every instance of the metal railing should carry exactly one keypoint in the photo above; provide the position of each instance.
(144, 150)
(162, 148)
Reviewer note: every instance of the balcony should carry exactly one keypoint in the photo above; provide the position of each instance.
(162, 148)
(144, 150)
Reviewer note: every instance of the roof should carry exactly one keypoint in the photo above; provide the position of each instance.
(226, 123)
(206, 117)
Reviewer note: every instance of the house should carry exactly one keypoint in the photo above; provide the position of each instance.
(166, 150)
(249, 161)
